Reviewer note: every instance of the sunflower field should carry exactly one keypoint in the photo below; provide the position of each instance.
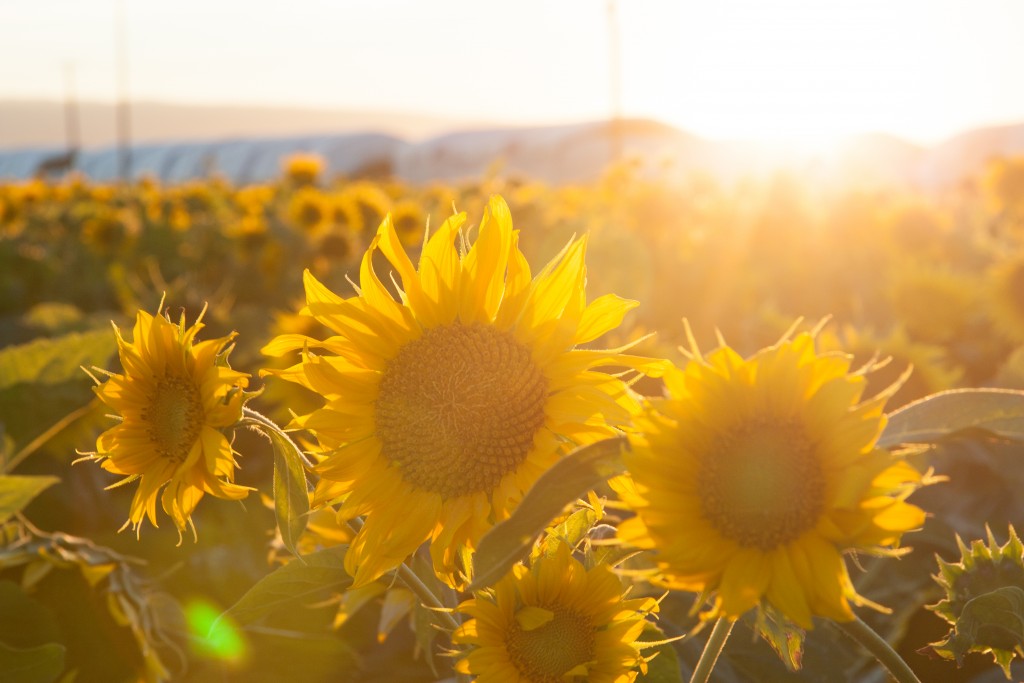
(502, 431)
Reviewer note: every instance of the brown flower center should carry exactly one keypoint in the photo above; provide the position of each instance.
(545, 653)
(175, 417)
(459, 407)
(762, 484)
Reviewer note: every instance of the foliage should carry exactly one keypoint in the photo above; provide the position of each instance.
(908, 279)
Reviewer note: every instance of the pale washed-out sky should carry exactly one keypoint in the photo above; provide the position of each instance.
(920, 69)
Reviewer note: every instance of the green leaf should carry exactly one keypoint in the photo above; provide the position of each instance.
(293, 583)
(42, 381)
(570, 478)
(570, 532)
(426, 634)
(54, 361)
(998, 412)
(991, 622)
(785, 637)
(291, 498)
(664, 668)
(40, 664)
(17, 491)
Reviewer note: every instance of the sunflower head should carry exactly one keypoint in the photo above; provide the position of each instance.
(1004, 185)
(984, 601)
(933, 304)
(303, 168)
(310, 210)
(409, 219)
(174, 398)
(753, 476)
(106, 233)
(368, 204)
(445, 400)
(553, 622)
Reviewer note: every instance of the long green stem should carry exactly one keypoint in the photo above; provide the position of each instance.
(416, 585)
(883, 652)
(405, 573)
(713, 648)
(264, 421)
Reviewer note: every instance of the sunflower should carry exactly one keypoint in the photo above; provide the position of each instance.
(368, 205)
(1006, 299)
(173, 398)
(985, 587)
(107, 232)
(302, 168)
(934, 304)
(753, 476)
(408, 217)
(445, 406)
(310, 210)
(554, 622)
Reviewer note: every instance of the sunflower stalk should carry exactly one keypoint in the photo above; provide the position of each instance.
(712, 649)
(859, 631)
(259, 420)
(413, 582)
(405, 573)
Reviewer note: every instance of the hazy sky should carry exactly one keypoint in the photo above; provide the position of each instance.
(921, 69)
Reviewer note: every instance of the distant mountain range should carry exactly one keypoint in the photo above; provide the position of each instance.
(41, 123)
(176, 142)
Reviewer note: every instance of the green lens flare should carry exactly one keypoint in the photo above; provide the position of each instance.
(213, 636)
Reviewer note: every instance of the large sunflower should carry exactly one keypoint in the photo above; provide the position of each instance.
(173, 398)
(754, 476)
(551, 623)
(443, 407)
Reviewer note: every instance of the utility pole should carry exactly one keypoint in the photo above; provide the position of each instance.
(123, 110)
(72, 126)
(615, 82)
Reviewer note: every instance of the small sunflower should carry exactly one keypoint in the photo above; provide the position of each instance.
(554, 622)
(753, 477)
(173, 399)
(933, 304)
(303, 168)
(369, 204)
(408, 217)
(1006, 298)
(984, 601)
(445, 406)
(310, 210)
(106, 233)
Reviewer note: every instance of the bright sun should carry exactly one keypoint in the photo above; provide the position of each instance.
(787, 70)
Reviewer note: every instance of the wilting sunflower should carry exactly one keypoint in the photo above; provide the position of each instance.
(445, 406)
(753, 476)
(173, 398)
(554, 622)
